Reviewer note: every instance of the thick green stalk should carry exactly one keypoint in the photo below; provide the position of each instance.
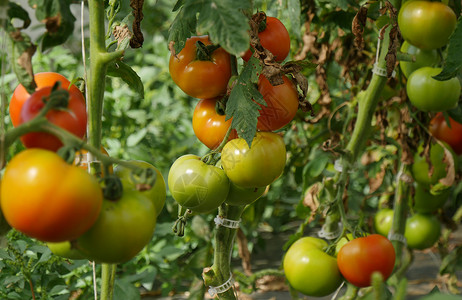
(107, 281)
(220, 271)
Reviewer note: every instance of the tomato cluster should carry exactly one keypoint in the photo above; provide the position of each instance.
(198, 184)
(427, 26)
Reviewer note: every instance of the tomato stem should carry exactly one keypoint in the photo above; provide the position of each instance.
(107, 280)
(204, 52)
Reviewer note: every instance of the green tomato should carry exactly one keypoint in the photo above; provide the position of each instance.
(243, 196)
(197, 185)
(426, 202)
(429, 94)
(423, 58)
(422, 172)
(425, 24)
(124, 227)
(157, 193)
(383, 221)
(258, 166)
(309, 269)
(65, 249)
(422, 231)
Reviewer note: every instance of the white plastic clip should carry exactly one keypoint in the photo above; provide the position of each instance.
(219, 221)
(330, 235)
(215, 290)
(338, 165)
(397, 237)
(381, 71)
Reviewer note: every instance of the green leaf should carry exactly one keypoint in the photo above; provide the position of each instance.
(452, 262)
(440, 296)
(242, 103)
(22, 50)
(125, 290)
(58, 19)
(15, 11)
(453, 61)
(456, 114)
(184, 25)
(294, 10)
(178, 5)
(128, 75)
(226, 24)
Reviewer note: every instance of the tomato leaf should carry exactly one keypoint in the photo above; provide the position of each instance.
(226, 24)
(178, 5)
(183, 26)
(453, 62)
(58, 19)
(15, 11)
(452, 262)
(242, 103)
(128, 75)
(456, 114)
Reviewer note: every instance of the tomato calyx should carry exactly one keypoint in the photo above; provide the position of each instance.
(143, 178)
(220, 106)
(180, 223)
(204, 52)
(113, 188)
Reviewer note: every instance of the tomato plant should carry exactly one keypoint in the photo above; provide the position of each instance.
(124, 227)
(383, 221)
(257, 166)
(197, 185)
(361, 257)
(141, 182)
(198, 75)
(451, 134)
(429, 94)
(273, 37)
(423, 58)
(209, 126)
(426, 24)
(44, 79)
(72, 118)
(281, 104)
(57, 202)
(428, 174)
(422, 231)
(309, 269)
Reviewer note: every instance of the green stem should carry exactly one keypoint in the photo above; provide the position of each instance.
(107, 280)
(220, 271)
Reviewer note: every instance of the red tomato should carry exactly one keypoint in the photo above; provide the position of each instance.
(72, 119)
(281, 101)
(451, 135)
(20, 95)
(274, 38)
(361, 257)
(209, 126)
(201, 78)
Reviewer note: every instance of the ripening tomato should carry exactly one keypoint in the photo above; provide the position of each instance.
(423, 58)
(201, 77)
(426, 24)
(360, 258)
(258, 166)
(281, 104)
(309, 269)
(47, 199)
(429, 94)
(20, 95)
(451, 135)
(72, 118)
(275, 38)
(197, 185)
(209, 126)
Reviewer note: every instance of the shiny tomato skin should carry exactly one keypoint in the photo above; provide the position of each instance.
(72, 119)
(451, 135)
(198, 78)
(309, 269)
(243, 196)
(57, 202)
(156, 193)
(196, 185)
(422, 231)
(426, 25)
(274, 38)
(281, 104)
(124, 227)
(430, 95)
(423, 58)
(361, 257)
(209, 126)
(258, 166)
(20, 95)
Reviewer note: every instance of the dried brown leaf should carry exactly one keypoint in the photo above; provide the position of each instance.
(137, 9)
(359, 22)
